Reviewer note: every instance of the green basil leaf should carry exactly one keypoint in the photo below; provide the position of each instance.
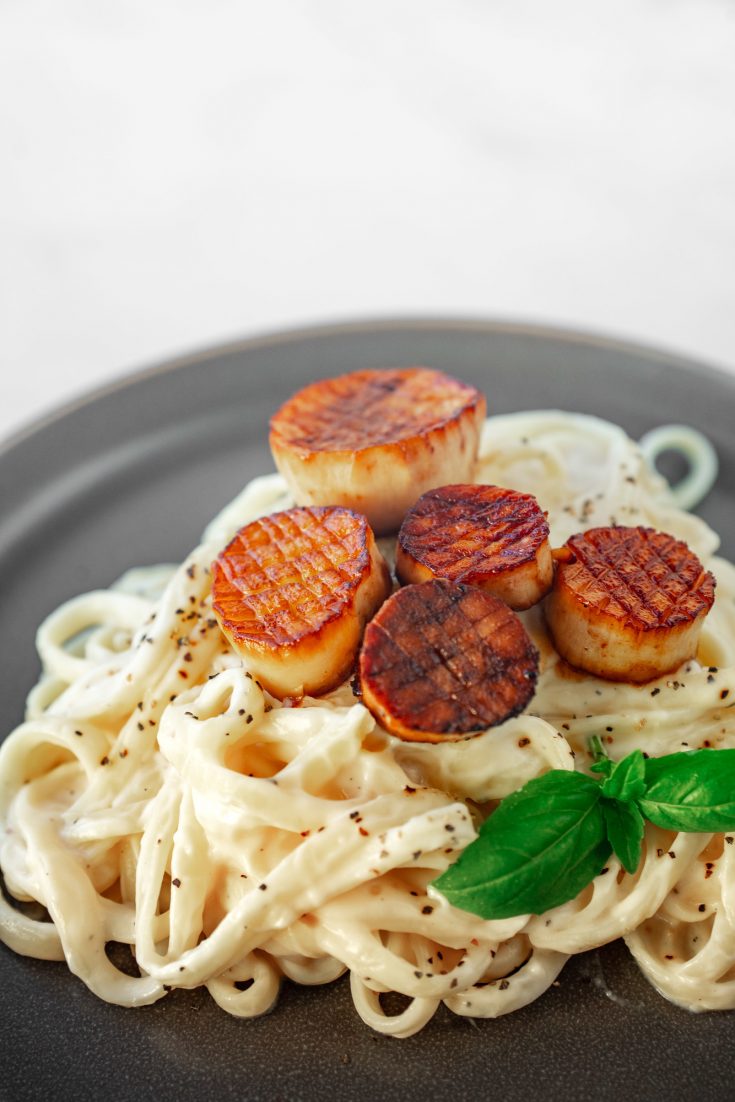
(600, 761)
(691, 791)
(539, 849)
(627, 781)
(625, 829)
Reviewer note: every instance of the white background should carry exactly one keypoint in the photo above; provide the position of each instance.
(177, 173)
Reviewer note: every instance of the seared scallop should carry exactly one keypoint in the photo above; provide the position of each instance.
(442, 661)
(292, 593)
(374, 440)
(628, 603)
(480, 535)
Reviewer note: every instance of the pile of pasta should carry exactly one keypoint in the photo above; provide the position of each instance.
(158, 797)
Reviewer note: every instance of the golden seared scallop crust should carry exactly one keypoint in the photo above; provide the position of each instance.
(374, 440)
(441, 661)
(292, 593)
(628, 603)
(480, 535)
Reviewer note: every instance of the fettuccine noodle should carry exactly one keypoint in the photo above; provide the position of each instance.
(157, 797)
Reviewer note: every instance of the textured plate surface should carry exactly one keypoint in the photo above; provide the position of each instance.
(131, 476)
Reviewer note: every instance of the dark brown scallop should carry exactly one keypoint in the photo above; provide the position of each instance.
(442, 661)
(480, 535)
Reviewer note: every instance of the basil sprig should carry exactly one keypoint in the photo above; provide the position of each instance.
(547, 841)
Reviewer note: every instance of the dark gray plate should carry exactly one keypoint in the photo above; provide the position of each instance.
(130, 476)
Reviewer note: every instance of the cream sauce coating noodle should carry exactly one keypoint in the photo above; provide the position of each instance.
(156, 796)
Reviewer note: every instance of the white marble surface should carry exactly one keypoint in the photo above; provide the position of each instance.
(176, 173)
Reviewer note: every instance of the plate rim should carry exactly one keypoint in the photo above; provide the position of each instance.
(290, 334)
(650, 359)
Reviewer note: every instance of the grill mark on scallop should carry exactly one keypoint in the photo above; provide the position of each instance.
(292, 592)
(628, 604)
(287, 578)
(370, 408)
(479, 535)
(374, 440)
(442, 659)
(642, 577)
(468, 530)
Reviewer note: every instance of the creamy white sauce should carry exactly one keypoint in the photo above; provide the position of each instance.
(156, 796)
